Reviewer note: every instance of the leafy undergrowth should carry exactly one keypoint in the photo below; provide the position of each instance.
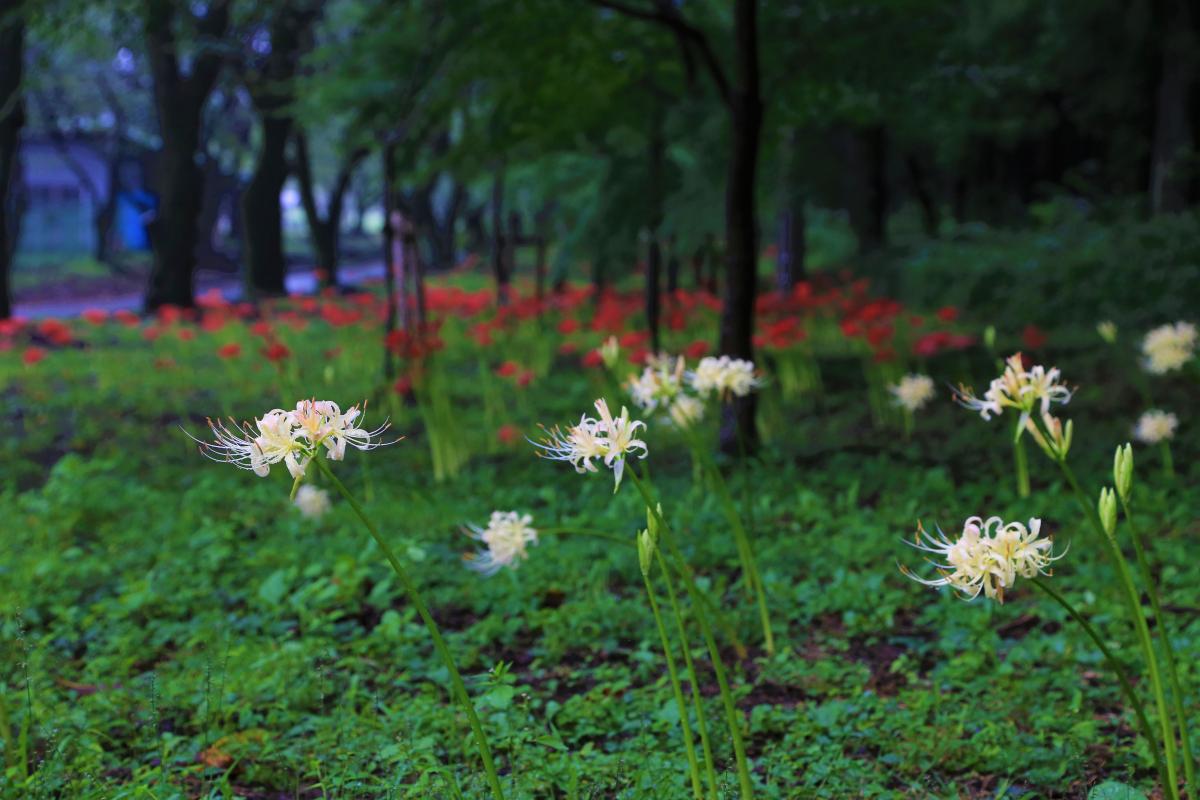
(175, 628)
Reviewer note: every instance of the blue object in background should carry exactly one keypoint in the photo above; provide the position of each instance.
(133, 208)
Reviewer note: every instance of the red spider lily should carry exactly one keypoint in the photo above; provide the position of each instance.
(634, 339)
(1033, 337)
(507, 369)
(364, 299)
(508, 434)
(884, 355)
(592, 359)
(851, 329)
(676, 319)
(186, 334)
(261, 328)
(339, 316)
(94, 316)
(568, 325)
(697, 349)
(525, 378)
(127, 318)
(11, 326)
(482, 334)
(916, 321)
(55, 331)
(567, 348)
(152, 332)
(933, 343)
(169, 314)
(276, 352)
(403, 385)
(231, 350)
(32, 355)
(878, 334)
(947, 313)
(638, 356)
(212, 299)
(213, 321)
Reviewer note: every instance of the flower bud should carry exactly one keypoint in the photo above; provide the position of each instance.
(610, 351)
(645, 546)
(1123, 471)
(652, 518)
(1107, 508)
(1107, 330)
(989, 337)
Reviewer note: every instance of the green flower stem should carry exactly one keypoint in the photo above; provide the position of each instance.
(1022, 465)
(1123, 679)
(1168, 463)
(732, 717)
(458, 688)
(688, 743)
(750, 573)
(612, 537)
(1139, 623)
(693, 680)
(1164, 634)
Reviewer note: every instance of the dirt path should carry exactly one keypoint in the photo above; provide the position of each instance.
(301, 281)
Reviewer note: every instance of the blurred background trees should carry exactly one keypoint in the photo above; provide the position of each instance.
(583, 137)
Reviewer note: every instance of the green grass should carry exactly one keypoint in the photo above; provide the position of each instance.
(173, 628)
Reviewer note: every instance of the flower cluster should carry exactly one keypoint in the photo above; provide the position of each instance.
(661, 386)
(1018, 388)
(987, 557)
(605, 438)
(1155, 426)
(725, 376)
(1169, 347)
(312, 502)
(506, 537)
(293, 437)
(912, 392)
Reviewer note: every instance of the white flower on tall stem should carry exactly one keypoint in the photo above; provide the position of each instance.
(659, 384)
(507, 536)
(1168, 347)
(725, 376)
(1018, 388)
(606, 438)
(988, 556)
(292, 437)
(685, 411)
(912, 392)
(312, 502)
(1155, 426)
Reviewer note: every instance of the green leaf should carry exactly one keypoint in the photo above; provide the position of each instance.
(1113, 790)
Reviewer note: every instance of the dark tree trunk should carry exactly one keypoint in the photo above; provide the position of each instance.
(1174, 135)
(656, 192)
(499, 247)
(178, 101)
(741, 232)
(793, 246)
(930, 216)
(672, 265)
(389, 255)
(221, 198)
(12, 119)
(865, 156)
(262, 216)
(792, 242)
(325, 232)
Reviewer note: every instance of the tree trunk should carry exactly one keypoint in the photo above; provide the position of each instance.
(656, 192)
(1174, 137)
(865, 154)
(793, 246)
(930, 215)
(266, 265)
(672, 265)
(178, 102)
(325, 232)
(12, 119)
(389, 252)
(499, 247)
(741, 234)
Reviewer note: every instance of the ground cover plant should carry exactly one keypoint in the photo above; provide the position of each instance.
(720, 625)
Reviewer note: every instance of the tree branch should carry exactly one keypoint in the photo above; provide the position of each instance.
(669, 17)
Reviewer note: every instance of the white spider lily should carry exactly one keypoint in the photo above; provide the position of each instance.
(725, 376)
(686, 411)
(608, 439)
(988, 556)
(1155, 426)
(507, 537)
(312, 502)
(1018, 388)
(912, 392)
(660, 382)
(291, 437)
(1168, 347)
